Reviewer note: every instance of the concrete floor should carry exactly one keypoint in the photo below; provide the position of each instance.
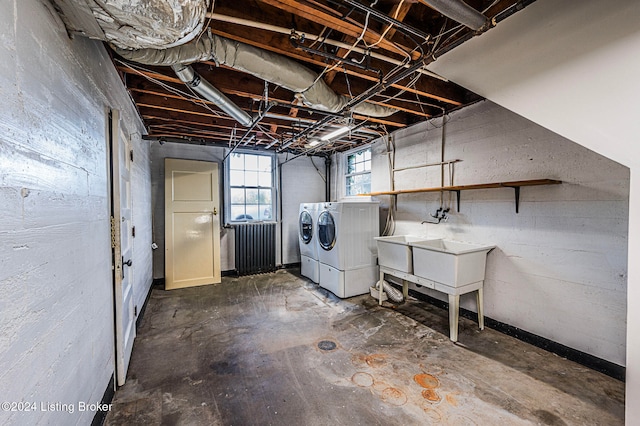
(275, 349)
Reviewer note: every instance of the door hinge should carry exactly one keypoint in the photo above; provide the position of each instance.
(135, 311)
(131, 155)
(133, 231)
(113, 232)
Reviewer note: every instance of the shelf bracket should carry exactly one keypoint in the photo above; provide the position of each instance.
(517, 189)
(457, 191)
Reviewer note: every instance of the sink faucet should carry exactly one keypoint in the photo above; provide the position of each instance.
(441, 215)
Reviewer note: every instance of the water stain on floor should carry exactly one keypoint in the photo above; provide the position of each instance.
(394, 396)
(427, 381)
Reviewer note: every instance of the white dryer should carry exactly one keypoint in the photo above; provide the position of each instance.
(347, 251)
(308, 241)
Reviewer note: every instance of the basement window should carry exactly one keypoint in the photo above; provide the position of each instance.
(250, 193)
(358, 172)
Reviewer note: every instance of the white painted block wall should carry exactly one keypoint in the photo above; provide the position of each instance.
(187, 152)
(56, 304)
(300, 183)
(560, 266)
(141, 211)
(545, 64)
(303, 181)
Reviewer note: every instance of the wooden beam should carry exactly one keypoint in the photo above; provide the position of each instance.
(398, 12)
(337, 22)
(196, 107)
(428, 87)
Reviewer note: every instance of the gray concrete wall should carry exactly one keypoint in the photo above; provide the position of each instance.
(56, 305)
(560, 266)
(300, 183)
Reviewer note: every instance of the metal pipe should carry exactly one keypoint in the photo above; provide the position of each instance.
(426, 165)
(401, 26)
(327, 168)
(192, 79)
(314, 37)
(333, 57)
(253, 125)
(417, 65)
(511, 10)
(442, 160)
(460, 12)
(384, 84)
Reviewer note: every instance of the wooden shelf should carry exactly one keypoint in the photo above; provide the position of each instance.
(516, 185)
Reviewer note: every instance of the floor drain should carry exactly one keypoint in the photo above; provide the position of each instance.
(327, 345)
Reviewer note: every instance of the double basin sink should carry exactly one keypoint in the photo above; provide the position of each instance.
(452, 263)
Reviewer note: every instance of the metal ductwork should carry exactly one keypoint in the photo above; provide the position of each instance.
(192, 79)
(135, 24)
(460, 12)
(274, 68)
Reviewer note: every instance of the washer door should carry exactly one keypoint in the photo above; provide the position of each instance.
(326, 230)
(306, 227)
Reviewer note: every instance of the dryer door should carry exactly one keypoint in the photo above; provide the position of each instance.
(306, 227)
(326, 230)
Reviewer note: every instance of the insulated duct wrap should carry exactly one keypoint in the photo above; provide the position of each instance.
(274, 68)
(460, 12)
(158, 24)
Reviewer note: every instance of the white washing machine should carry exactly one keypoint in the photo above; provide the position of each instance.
(347, 251)
(308, 241)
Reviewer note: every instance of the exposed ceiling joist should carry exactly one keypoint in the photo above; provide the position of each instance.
(353, 47)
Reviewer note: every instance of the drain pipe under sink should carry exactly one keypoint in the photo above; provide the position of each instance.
(392, 292)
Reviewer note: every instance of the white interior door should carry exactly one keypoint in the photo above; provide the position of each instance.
(122, 241)
(192, 223)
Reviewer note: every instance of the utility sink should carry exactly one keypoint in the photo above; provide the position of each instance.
(452, 263)
(395, 251)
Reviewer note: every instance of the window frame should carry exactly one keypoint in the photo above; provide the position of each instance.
(229, 220)
(346, 175)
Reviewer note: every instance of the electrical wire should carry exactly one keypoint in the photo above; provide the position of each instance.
(410, 85)
(384, 33)
(206, 27)
(461, 27)
(323, 177)
(190, 97)
(337, 64)
(346, 77)
(390, 223)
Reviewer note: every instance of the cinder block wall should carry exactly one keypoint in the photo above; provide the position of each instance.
(56, 304)
(560, 266)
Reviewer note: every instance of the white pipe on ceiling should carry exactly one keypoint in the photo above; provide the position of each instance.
(314, 37)
(269, 66)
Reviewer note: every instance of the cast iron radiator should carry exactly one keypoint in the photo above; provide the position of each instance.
(255, 248)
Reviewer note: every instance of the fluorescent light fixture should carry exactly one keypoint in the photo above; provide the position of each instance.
(335, 133)
(313, 142)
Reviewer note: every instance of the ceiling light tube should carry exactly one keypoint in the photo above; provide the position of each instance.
(338, 132)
